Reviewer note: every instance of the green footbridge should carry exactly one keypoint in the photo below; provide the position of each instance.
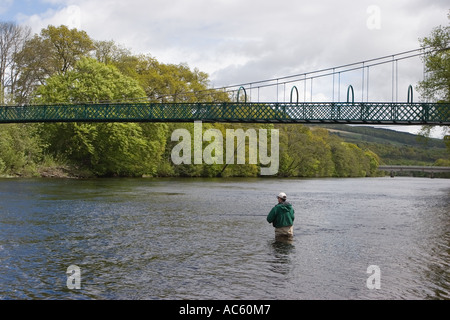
(309, 112)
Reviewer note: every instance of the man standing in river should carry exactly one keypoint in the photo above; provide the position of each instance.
(282, 218)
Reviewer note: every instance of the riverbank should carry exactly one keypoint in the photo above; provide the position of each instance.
(65, 172)
(70, 172)
(57, 172)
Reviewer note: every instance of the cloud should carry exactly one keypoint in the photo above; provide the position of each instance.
(68, 15)
(249, 40)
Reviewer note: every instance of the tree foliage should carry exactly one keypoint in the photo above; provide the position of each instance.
(89, 81)
(20, 149)
(12, 40)
(107, 149)
(315, 153)
(436, 85)
(168, 82)
(65, 66)
(55, 50)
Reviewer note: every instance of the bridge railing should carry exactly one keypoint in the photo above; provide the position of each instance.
(327, 112)
(400, 168)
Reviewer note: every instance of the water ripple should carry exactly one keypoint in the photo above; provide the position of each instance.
(201, 239)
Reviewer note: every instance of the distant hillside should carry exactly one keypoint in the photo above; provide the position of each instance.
(391, 146)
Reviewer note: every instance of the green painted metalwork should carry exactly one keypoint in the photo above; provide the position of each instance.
(410, 94)
(350, 87)
(414, 168)
(309, 112)
(292, 91)
(245, 94)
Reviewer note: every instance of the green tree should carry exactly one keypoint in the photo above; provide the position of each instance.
(107, 149)
(66, 46)
(108, 52)
(436, 85)
(20, 149)
(55, 50)
(89, 81)
(305, 152)
(12, 39)
(168, 82)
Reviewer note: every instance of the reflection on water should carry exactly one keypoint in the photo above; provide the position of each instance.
(209, 238)
(282, 249)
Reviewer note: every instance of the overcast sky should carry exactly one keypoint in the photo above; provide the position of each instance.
(239, 41)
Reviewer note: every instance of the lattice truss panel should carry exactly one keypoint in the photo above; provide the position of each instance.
(402, 113)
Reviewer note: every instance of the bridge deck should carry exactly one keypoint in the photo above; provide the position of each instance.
(414, 168)
(330, 112)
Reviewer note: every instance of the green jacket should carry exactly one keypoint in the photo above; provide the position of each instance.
(282, 215)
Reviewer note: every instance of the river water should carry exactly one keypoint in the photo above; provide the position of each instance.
(209, 239)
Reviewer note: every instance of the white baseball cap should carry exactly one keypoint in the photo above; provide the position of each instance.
(282, 195)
